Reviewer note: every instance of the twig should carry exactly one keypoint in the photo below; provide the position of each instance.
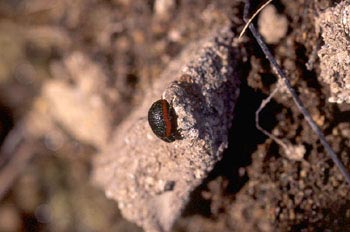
(310, 64)
(295, 97)
(294, 152)
(257, 122)
(251, 18)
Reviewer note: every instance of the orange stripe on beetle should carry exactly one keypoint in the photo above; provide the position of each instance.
(167, 120)
(161, 118)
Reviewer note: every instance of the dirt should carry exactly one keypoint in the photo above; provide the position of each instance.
(255, 187)
(334, 55)
(136, 165)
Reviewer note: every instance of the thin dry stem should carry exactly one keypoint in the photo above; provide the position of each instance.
(251, 18)
(295, 97)
(257, 113)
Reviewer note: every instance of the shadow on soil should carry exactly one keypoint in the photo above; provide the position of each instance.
(243, 140)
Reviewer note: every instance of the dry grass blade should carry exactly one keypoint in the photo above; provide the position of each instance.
(251, 18)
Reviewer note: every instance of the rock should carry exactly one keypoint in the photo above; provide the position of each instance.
(272, 26)
(151, 179)
(334, 54)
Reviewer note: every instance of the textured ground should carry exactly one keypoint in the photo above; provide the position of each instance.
(105, 55)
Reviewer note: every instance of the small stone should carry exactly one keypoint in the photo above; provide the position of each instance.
(272, 26)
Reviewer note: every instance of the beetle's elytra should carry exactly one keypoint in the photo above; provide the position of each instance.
(162, 119)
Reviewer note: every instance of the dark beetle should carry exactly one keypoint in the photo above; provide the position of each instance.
(162, 119)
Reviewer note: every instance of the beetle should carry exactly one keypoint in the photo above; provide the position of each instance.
(162, 120)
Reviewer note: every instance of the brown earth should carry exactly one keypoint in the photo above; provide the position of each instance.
(255, 187)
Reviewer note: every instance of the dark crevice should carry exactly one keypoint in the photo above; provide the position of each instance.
(244, 138)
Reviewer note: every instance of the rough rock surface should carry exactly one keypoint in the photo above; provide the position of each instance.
(152, 179)
(335, 53)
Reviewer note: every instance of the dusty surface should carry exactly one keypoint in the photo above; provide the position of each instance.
(255, 187)
(137, 168)
(334, 25)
